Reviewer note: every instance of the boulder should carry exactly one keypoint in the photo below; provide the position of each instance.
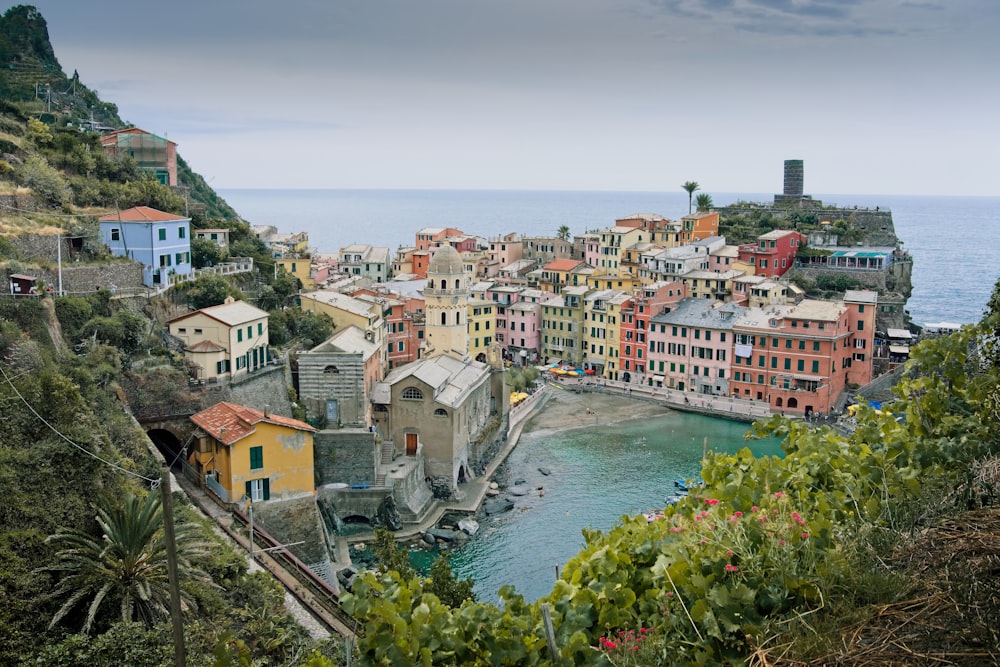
(443, 534)
(545, 471)
(498, 506)
(518, 491)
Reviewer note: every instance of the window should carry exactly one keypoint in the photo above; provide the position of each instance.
(258, 489)
(260, 328)
(440, 412)
(162, 234)
(116, 234)
(861, 325)
(179, 258)
(239, 335)
(414, 394)
(815, 367)
(182, 232)
(256, 458)
(801, 365)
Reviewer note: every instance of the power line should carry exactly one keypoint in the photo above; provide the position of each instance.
(50, 215)
(60, 434)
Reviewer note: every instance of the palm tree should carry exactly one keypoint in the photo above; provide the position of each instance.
(563, 233)
(704, 202)
(690, 187)
(126, 566)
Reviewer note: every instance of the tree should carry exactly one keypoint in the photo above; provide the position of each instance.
(443, 583)
(126, 568)
(205, 252)
(390, 557)
(704, 202)
(690, 187)
(563, 233)
(209, 290)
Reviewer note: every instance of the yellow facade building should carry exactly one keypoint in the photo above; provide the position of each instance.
(245, 453)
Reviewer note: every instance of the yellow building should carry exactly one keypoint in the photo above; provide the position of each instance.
(346, 311)
(562, 326)
(298, 266)
(621, 283)
(601, 325)
(482, 327)
(227, 340)
(614, 241)
(246, 453)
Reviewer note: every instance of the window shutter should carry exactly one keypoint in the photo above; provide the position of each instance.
(267, 489)
(249, 492)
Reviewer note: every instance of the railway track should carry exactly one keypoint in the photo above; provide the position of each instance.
(311, 590)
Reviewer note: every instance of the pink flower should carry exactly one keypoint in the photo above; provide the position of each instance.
(755, 509)
(731, 568)
(779, 494)
(805, 535)
(737, 513)
(729, 553)
(711, 501)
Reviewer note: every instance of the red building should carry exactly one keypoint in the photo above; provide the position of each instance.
(774, 252)
(633, 349)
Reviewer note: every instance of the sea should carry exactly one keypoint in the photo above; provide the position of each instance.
(599, 474)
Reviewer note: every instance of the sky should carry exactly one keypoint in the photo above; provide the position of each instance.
(876, 96)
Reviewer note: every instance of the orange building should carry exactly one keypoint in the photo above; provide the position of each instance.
(699, 225)
(800, 358)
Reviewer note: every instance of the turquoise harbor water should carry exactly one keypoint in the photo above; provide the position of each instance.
(597, 475)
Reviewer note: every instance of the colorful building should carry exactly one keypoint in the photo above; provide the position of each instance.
(773, 253)
(243, 453)
(797, 358)
(691, 347)
(160, 241)
(224, 341)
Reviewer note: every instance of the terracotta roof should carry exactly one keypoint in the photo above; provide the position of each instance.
(562, 264)
(141, 214)
(229, 422)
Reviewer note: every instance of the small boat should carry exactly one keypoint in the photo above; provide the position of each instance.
(653, 516)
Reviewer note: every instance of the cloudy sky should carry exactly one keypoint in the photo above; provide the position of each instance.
(877, 96)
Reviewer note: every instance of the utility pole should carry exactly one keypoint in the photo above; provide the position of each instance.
(175, 590)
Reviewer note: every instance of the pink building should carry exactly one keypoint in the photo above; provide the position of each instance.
(691, 347)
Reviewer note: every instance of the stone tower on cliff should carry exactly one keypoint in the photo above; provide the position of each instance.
(446, 303)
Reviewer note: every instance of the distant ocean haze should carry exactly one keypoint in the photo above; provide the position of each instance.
(954, 241)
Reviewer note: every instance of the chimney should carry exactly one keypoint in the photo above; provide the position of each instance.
(267, 412)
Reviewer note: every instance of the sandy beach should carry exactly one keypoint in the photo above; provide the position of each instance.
(565, 409)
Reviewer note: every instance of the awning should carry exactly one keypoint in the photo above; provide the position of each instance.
(899, 349)
(903, 334)
(658, 378)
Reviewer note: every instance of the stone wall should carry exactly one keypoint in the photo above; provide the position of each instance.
(348, 456)
(41, 253)
(294, 520)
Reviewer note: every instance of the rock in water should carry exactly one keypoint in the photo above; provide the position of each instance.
(498, 506)
(469, 526)
(545, 471)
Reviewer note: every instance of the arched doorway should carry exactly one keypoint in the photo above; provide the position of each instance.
(793, 403)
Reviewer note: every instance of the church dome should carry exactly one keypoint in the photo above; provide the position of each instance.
(447, 261)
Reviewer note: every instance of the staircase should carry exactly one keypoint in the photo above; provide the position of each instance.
(387, 450)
